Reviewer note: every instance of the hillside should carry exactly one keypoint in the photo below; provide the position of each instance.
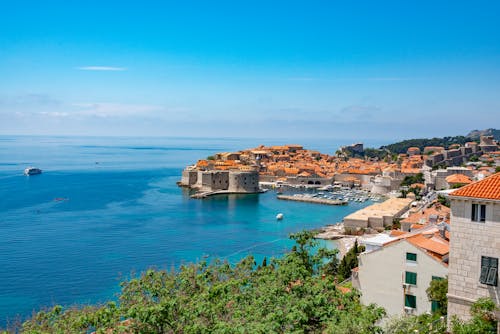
(488, 132)
(402, 146)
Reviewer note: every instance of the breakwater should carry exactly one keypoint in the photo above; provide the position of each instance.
(309, 199)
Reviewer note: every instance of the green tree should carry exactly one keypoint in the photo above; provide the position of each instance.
(443, 200)
(349, 262)
(292, 294)
(422, 324)
(411, 179)
(482, 322)
(437, 290)
(483, 319)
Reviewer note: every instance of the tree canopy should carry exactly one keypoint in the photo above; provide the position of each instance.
(296, 293)
(402, 146)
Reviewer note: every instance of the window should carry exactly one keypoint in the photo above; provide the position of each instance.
(411, 257)
(410, 278)
(410, 301)
(478, 212)
(489, 270)
(435, 306)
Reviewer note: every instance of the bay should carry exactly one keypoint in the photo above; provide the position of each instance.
(105, 208)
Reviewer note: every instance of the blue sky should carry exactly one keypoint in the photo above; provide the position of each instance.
(380, 70)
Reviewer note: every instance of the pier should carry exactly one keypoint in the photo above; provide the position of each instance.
(309, 199)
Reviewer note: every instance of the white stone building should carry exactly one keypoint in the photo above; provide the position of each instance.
(475, 245)
(397, 274)
(378, 215)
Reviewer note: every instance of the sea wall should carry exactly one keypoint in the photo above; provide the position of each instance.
(217, 180)
(243, 182)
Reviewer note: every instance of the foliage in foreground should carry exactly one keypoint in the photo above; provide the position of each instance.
(483, 319)
(482, 322)
(425, 323)
(293, 294)
(437, 290)
(349, 262)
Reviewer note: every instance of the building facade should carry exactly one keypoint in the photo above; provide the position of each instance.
(397, 274)
(475, 245)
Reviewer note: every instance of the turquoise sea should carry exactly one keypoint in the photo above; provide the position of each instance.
(105, 208)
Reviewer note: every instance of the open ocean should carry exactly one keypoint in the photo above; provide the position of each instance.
(105, 208)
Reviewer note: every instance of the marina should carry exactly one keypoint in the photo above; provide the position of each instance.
(333, 196)
(311, 199)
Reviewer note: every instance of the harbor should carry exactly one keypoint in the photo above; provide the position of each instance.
(311, 199)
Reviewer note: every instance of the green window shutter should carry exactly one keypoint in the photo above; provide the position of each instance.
(492, 276)
(411, 256)
(484, 274)
(489, 270)
(410, 301)
(410, 278)
(492, 272)
(437, 278)
(434, 306)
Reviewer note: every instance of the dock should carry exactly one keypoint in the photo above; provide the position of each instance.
(205, 194)
(309, 199)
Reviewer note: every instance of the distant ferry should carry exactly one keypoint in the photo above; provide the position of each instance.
(32, 171)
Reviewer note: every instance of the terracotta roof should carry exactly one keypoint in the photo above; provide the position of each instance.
(458, 178)
(440, 211)
(487, 188)
(433, 244)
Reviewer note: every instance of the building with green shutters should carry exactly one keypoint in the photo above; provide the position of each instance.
(397, 274)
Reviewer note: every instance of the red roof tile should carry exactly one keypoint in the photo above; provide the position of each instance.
(458, 178)
(487, 188)
(434, 245)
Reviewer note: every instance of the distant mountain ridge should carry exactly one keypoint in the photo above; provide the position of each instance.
(402, 146)
(488, 132)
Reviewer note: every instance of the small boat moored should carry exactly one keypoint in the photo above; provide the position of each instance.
(32, 171)
(279, 216)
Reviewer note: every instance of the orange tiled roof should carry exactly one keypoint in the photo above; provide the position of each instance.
(416, 226)
(487, 188)
(458, 178)
(435, 245)
(423, 215)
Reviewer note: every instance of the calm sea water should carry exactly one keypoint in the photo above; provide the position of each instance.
(108, 207)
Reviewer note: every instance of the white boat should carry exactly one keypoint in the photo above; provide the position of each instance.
(279, 216)
(32, 171)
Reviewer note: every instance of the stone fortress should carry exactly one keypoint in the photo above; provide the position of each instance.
(209, 182)
(456, 154)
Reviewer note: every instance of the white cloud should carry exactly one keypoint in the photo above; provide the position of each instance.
(101, 68)
(25, 100)
(115, 109)
(386, 79)
(55, 113)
